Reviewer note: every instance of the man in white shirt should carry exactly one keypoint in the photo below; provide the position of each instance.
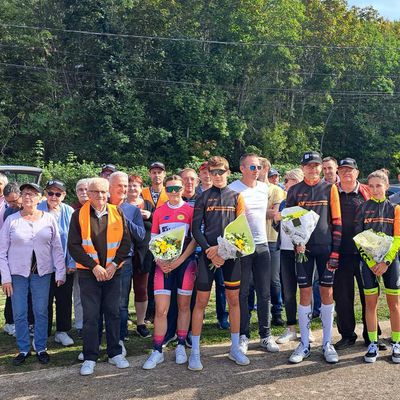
(255, 196)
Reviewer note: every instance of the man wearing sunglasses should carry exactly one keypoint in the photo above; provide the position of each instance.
(55, 192)
(258, 264)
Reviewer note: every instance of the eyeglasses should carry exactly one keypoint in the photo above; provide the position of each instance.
(215, 172)
(51, 194)
(255, 167)
(29, 194)
(171, 189)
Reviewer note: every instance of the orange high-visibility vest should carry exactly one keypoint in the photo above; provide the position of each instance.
(146, 195)
(115, 231)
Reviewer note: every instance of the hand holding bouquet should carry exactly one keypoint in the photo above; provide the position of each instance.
(299, 223)
(167, 246)
(373, 246)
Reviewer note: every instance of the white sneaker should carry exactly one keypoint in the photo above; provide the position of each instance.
(119, 361)
(9, 329)
(63, 338)
(155, 358)
(269, 344)
(372, 353)
(180, 354)
(243, 343)
(287, 336)
(81, 357)
(330, 354)
(87, 367)
(396, 352)
(195, 361)
(121, 343)
(236, 355)
(299, 354)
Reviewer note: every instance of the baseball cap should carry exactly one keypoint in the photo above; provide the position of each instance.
(272, 172)
(109, 167)
(157, 164)
(311, 157)
(33, 186)
(57, 184)
(348, 162)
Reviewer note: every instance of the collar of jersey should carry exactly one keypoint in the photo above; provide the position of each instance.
(378, 201)
(312, 184)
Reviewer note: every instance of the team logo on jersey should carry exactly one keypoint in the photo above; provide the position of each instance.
(181, 217)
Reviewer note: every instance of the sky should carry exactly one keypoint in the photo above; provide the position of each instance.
(389, 9)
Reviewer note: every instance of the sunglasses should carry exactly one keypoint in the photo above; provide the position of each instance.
(255, 167)
(215, 172)
(171, 189)
(57, 194)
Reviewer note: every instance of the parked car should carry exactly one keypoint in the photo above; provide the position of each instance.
(22, 174)
(393, 188)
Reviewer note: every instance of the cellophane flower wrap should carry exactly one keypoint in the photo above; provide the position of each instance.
(167, 246)
(299, 224)
(373, 246)
(237, 240)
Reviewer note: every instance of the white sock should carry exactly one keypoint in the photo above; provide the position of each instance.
(327, 322)
(235, 339)
(304, 323)
(196, 344)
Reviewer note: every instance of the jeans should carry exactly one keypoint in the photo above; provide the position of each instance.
(126, 285)
(76, 293)
(220, 297)
(100, 296)
(276, 291)
(39, 287)
(259, 264)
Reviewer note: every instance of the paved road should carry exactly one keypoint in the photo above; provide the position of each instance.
(268, 376)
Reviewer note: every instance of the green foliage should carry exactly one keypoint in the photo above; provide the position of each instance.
(275, 78)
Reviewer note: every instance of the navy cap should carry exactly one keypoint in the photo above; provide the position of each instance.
(33, 186)
(348, 162)
(272, 172)
(311, 157)
(109, 167)
(57, 184)
(157, 164)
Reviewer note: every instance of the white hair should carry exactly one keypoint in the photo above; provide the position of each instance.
(117, 174)
(4, 179)
(81, 182)
(98, 181)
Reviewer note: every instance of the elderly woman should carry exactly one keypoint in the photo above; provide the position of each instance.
(142, 257)
(30, 247)
(55, 191)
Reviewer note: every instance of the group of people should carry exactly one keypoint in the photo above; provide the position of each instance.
(94, 250)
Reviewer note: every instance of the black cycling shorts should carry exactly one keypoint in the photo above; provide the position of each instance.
(391, 279)
(318, 255)
(205, 275)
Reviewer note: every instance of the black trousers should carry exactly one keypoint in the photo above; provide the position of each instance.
(258, 264)
(343, 294)
(63, 296)
(96, 297)
(289, 284)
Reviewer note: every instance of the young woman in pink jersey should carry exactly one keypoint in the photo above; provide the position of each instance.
(178, 274)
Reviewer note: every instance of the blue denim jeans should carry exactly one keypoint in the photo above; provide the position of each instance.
(39, 287)
(126, 285)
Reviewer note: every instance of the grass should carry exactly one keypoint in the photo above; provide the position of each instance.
(66, 356)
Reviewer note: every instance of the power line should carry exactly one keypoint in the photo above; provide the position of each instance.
(193, 40)
(210, 85)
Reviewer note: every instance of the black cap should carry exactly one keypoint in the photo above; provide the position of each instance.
(348, 162)
(109, 167)
(157, 164)
(272, 172)
(33, 186)
(311, 157)
(57, 184)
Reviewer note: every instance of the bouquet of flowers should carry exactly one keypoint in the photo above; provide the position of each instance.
(237, 241)
(299, 223)
(373, 246)
(167, 246)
